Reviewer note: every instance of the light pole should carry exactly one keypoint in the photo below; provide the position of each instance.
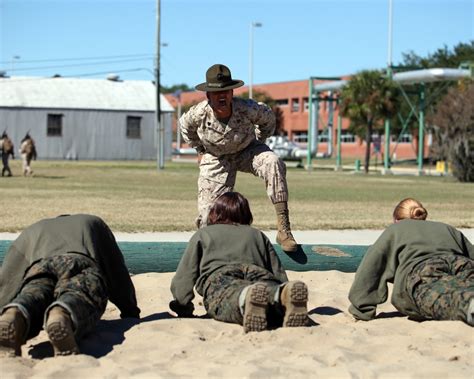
(253, 25)
(15, 57)
(386, 153)
(160, 145)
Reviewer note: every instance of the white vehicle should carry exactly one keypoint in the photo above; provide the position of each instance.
(286, 149)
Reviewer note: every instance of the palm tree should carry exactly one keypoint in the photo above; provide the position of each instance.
(368, 98)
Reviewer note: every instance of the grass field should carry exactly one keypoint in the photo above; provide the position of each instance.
(132, 196)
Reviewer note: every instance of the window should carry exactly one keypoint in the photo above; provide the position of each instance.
(133, 127)
(55, 125)
(405, 138)
(305, 104)
(323, 136)
(300, 137)
(281, 102)
(295, 105)
(347, 137)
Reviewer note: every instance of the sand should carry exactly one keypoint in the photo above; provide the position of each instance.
(335, 346)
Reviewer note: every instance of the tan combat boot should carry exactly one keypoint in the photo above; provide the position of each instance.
(255, 309)
(13, 329)
(60, 332)
(284, 236)
(294, 299)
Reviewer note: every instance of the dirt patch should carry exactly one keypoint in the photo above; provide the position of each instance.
(329, 251)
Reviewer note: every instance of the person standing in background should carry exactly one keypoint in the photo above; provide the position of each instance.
(6, 145)
(28, 153)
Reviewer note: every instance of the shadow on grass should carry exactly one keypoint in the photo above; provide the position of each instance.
(48, 177)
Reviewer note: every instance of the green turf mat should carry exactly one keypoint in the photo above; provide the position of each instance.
(143, 257)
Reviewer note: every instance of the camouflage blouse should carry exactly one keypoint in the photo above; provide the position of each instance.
(249, 121)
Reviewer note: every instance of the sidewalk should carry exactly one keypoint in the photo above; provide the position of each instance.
(305, 237)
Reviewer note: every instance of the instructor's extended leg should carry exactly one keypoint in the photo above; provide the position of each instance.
(284, 237)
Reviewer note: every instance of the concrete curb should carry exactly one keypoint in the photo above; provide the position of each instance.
(331, 237)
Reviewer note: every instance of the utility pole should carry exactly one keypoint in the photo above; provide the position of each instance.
(15, 57)
(386, 156)
(252, 26)
(159, 125)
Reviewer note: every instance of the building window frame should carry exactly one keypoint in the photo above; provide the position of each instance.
(405, 138)
(133, 127)
(54, 125)
(323, 136)
(347, 137)
(305, 104)
(281, 103)
(300, 137)
(295, 105)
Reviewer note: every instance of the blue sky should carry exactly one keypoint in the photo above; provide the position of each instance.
(298, 39)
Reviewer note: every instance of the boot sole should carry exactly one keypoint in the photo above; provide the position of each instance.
(255, 314)
(295, 303)
(9, 345)
(62, 338)
(10, 340)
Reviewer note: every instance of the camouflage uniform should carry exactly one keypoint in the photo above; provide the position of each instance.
(6, 146)
(218, 263)
(230, 147)
(430, 265)
(72, 281)
(443, 287)
(81, 236)
(28, 152)
(223, 287)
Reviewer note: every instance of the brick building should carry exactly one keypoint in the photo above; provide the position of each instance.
(292, 99)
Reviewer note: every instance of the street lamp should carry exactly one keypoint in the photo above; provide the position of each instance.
(15, 57)
(253, 25)
(160, 131)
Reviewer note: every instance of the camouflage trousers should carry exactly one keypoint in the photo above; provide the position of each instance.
(26, 163)
(223, 287)
(6, 167)
(217, 175)
(72, 281)
(442, 287)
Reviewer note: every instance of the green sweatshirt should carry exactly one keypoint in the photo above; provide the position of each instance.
(83, 234)
(392, 258)
(215, 246)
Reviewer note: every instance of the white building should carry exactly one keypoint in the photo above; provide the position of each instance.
(97, 119)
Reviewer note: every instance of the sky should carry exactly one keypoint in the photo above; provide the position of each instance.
(298, 39)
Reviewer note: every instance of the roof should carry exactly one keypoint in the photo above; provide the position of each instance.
(408, 77)
(74, 93)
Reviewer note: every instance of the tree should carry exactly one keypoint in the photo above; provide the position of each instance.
(176, 87)
(443, 57)
(453, 131)
(368, 99)
(263, 97)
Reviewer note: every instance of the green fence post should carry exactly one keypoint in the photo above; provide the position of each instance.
(338, 152)
(421, 142)
(357, 165)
